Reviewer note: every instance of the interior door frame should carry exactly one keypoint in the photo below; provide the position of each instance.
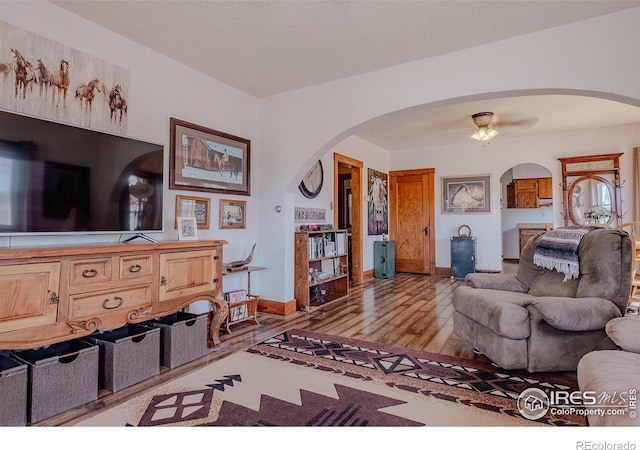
(393, 210)
(356, 210)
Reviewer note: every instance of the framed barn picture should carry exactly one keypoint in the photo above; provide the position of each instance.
(206, 160)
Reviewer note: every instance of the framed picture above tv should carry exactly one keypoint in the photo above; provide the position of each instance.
(206, 160)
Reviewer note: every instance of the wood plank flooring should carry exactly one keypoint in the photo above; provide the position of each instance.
(409, 310)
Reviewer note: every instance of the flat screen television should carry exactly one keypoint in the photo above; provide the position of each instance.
(58, 179)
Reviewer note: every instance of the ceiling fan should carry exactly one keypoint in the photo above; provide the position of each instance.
(487, 126)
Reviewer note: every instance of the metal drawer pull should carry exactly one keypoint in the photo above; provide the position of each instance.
(135, 268)
(89, 273)
(105, 303)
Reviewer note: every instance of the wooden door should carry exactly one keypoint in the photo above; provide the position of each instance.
(411, 222)
(355, 258)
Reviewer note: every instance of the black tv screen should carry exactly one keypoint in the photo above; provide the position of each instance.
(57, 178)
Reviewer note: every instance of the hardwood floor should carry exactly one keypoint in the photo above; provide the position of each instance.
(409, 310)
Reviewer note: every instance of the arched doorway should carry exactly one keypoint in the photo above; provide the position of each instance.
(526, 206)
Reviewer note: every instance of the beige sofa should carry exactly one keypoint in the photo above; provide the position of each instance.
(534, 320)
(615, 374)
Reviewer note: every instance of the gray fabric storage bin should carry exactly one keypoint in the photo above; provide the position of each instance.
(61, 377)
(13, 392)
(183, 338)
(128, 355)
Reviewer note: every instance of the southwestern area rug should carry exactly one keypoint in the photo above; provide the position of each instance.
(303, 378)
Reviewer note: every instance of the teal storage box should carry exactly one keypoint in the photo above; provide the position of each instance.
(384, 259)
(13, 392)
(61, 377)
(183, 338)
(128, 355)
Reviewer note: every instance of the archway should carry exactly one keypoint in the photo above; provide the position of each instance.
(526, 207)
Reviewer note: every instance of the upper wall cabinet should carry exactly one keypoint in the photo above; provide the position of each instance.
(591, 189)
(527, 192)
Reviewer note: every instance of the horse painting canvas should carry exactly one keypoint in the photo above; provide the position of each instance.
(378, 212)
(47, 79)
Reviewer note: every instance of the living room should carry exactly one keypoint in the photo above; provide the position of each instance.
(292, 130)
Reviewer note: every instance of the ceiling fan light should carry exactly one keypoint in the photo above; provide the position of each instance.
(484, 133)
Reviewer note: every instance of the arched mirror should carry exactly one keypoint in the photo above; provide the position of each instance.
(590, 198)
(591, 186)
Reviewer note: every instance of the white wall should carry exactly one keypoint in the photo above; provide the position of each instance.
(160, 89)
(373, 157)
(292, 130)
(298, 127)
(498, 158)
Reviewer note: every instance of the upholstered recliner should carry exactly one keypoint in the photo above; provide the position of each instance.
(535, 320)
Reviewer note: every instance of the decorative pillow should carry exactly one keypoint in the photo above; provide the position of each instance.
(625, 333)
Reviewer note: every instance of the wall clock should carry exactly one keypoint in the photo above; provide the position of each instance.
(311, 184)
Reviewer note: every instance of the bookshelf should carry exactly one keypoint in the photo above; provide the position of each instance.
(321, 267)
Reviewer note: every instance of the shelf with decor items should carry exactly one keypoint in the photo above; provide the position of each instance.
(321, 267)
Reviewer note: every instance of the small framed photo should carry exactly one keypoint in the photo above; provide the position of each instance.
(187, 228)
(198, 207)
(233, 214)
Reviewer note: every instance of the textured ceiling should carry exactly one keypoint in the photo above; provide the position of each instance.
(268, 47)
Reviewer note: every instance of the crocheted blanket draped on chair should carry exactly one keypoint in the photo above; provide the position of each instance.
(558, 250)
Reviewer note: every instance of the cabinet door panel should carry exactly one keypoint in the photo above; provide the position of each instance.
(545, 188)
(527, 183)
(527, 199)
(26, 295)
(186, 273)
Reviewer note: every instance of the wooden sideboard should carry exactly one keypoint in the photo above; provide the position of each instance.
(54, 294)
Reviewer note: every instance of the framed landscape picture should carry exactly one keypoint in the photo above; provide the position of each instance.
(466, 194)
(206, 160)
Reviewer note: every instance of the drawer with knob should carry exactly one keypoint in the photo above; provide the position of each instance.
(136, 266)
(97, 303)
(90, 271)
